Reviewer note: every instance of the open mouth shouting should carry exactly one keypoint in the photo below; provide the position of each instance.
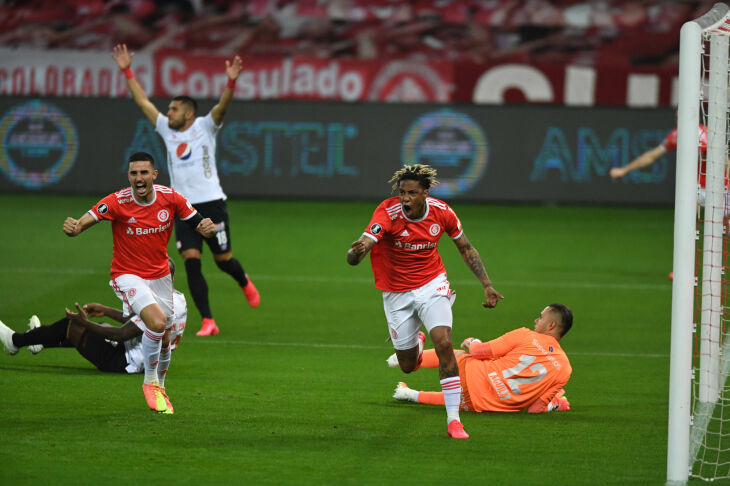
(141, 188)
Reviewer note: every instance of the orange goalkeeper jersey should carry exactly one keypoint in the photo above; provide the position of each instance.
(525, 366)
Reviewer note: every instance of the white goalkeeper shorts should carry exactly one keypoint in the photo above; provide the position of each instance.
(701, 195)
(428, 306)
(137, 293)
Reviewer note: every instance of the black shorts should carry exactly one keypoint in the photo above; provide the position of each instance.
(106, 355)
(188, 237)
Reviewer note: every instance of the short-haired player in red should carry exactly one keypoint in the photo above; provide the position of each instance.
(403, 235)
(522, 369)
(191, 141)
(142, 216)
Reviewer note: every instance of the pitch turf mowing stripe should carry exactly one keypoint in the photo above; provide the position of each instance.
(339, 280)
(361, 346)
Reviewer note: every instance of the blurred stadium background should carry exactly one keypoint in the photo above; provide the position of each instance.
(522, 105)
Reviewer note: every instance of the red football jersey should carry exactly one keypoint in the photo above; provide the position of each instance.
(141, 231)
(670, 143)
(406, 256)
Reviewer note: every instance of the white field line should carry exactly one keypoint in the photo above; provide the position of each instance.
(368, 280)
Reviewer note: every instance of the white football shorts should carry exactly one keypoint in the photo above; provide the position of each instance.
(137, 293)
(428, 306)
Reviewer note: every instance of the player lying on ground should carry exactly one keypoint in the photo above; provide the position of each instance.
(519, 370)
(113, 349)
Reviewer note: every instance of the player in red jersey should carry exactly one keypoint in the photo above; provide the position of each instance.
(521, 370)
(403, 235)
(191, 150)
(670, 143)
(652, 155)
(142, 217)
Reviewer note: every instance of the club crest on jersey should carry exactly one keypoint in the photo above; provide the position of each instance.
(131, 293)
(163, 215)
(434, 229)
(183, 151)
(375, 228)
(102, 208)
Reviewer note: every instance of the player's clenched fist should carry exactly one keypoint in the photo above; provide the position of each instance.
(69, 226)
(358, 247)
(206, 228)
(466, 344)
(492, 297)
(358, 250)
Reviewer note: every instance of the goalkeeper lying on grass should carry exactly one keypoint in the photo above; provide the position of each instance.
(519, 370)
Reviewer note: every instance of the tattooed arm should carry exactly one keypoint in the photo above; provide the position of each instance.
(474, 262)
(359, 249)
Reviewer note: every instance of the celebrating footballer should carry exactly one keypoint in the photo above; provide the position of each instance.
(403, 235)
(141, 216)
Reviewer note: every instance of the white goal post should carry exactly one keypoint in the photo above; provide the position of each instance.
(700, 352)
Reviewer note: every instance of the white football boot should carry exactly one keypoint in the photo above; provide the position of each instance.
(6, 337)
(32, 324)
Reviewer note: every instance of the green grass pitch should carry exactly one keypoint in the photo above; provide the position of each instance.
(297, 391)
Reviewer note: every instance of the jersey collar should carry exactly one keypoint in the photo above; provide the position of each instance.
(425, 215)
(140, 203)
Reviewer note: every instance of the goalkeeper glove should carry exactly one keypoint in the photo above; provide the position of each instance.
(559, 403)
(466, 344)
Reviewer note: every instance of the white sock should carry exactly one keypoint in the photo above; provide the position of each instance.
(151, 344)
(163, 365)
(452, 397)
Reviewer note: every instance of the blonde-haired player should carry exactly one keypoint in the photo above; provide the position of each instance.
(403, 235)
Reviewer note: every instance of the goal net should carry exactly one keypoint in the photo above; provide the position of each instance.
(699, 398)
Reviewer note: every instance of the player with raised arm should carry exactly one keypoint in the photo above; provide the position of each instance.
(649, 157)
(403, 235)
(522, 369)
(141, 217)
(191, 146)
